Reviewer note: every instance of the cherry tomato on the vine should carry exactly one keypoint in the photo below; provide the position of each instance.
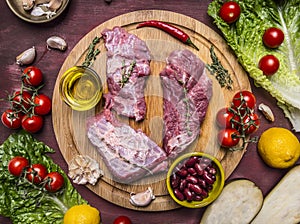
(251, 123)
(230, 11)
(228, 137)
(42, 104)
(54, 181)
(36, 173)
(122, 220)
(11, 119)
(32, 76)
(21, 99)
(226, 118)
(273, 37)
(244, 99)
(17, 165)
(269, 64)
(32, 124)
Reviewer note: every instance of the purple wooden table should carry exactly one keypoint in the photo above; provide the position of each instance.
(78, 19)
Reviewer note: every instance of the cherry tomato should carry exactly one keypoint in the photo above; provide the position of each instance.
(244, 99)
(36, 173)
(32, 124)
(54, 181)
(230, 12)
(269, 64)
(228, 137)
(273, 37)
(226, 118)
(43, 104)
(11, 120)
(17, 165)
(251, 123)
(21, 99)
(32, 76)
(122, 220)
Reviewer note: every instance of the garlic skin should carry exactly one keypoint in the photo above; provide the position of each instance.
(142, 199)
(83, 170)
(56, 42)
(26, 57)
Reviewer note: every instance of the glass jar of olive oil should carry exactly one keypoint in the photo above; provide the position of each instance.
(81, 88)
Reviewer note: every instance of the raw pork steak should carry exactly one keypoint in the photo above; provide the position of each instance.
(187, 91)
(128, 154)
(128, 57)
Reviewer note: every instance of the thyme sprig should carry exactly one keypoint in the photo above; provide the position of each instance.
(217, 69)
(92, 52)
(126, 73)
(134, 164)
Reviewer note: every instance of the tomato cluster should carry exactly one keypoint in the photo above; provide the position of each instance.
(36, 174)
(237, 121)
(27, 105)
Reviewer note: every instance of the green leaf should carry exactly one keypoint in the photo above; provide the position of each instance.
(24, 202)
(245, 38)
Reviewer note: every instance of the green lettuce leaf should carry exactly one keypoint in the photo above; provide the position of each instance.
(245, 38)
(24, 202)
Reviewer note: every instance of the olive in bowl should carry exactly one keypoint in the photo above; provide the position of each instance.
(195, 179)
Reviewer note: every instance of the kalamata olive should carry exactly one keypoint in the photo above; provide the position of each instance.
(188, 194)
(195, 188)
(178, 194)
(182, 185)
(182, 172)
(192, 171)
(192, 179)
(207, 178)
(175, 180)
(198, 169)
(191, 161)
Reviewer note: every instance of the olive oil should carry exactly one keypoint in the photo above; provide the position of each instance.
(81, 88)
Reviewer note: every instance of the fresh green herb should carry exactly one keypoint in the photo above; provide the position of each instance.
(126, 73)
(217, 69)
(92, 53)
(20, 200)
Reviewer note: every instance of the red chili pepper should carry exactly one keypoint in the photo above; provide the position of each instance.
(172, 30)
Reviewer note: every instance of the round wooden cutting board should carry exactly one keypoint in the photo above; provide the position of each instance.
(70, 128)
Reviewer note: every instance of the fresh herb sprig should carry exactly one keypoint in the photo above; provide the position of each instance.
(92, 52)
(217, 69)
(126, 73)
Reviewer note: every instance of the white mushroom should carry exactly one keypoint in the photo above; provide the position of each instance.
(83, 170)
(28, 4)
(143, 198)
(26, 57)
(57, 43)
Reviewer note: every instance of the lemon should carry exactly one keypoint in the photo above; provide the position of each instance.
(82, 214)
(279, 147)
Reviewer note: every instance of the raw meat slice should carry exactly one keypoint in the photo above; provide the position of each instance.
(128, 58)
(128, 154)
(186, 91)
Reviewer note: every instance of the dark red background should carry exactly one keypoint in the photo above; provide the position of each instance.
(79, 18)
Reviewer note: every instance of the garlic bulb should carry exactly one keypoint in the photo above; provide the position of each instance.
(83, 170)
(56, 43)
(143, 198)
(26, 57)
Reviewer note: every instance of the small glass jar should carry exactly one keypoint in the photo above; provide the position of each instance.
(81, 88)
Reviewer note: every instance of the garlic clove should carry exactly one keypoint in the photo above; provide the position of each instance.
(57, 43)
(267, 112)
(142, 199)
(55, 4)
(27, 4)
(26, 57)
